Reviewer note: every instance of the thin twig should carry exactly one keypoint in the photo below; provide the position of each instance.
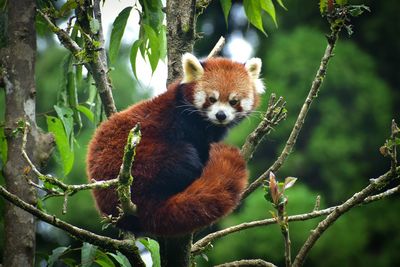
(356, 199)
(203, 243)
(284, 225)
(273, 116)
(217, 48)
(127, 247)
(312, 94)
(62, 35)
(247, 263)
(71, 189)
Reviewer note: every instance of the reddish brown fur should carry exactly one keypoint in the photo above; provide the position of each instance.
(214, 194)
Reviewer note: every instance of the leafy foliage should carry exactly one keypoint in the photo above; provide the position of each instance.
(152, 42)
(56, 127)
(117, 32)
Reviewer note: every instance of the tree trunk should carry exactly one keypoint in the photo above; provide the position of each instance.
(18, 68)
(181, 33)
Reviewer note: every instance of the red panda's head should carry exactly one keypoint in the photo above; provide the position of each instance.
(224, 91)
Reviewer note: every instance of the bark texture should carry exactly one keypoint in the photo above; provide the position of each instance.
(181, 32)
(18, 68)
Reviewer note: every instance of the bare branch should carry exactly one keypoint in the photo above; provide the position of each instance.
(356, 199)
(247, 263)
(217, 48)
(312, 94)
(203, 243)
(273, 116)
(127, 247)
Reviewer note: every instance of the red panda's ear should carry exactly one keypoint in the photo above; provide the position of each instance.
(192, 69)
(253, 67)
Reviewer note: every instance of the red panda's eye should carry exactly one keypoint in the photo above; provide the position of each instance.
(212, 99)
(233, 102)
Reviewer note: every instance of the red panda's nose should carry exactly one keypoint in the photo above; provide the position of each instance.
(221, 116)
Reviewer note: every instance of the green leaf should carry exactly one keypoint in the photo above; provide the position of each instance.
(120, 258)
(103, 260)
(65, 114)
(117, 32)
(87, 112)
(152, 246)
(252, 9)
(94, 25)
(152, 13)
(226, 8)
(88, 253)
(133, 55)
(269, 7)
(154, 43)
(56, 127)
(55, 255)
(280, 2)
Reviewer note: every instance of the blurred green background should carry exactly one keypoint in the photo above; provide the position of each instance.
(336, 153)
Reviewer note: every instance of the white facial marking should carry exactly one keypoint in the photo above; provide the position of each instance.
(215, 94)
(218, 107)
(247, 103)
(199, 99)
(259, 85)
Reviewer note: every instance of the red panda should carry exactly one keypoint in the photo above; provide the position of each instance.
(183, 179)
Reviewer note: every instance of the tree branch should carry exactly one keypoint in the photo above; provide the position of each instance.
(203, 243)
(273, 116)
(68, 189)
(356, 199)
(217, 48)
(97, 65)
(127, 247)
(247, 263)
(312, 94)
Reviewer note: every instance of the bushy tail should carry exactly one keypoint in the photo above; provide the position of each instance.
(215, 194)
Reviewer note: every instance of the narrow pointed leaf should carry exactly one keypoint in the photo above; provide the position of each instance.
(252, 9)
(56, 127)
(269, 7)
(133, 55)
(87, 112)
(117, 32)
(280, 2)
(226, 8)
(66, 116)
